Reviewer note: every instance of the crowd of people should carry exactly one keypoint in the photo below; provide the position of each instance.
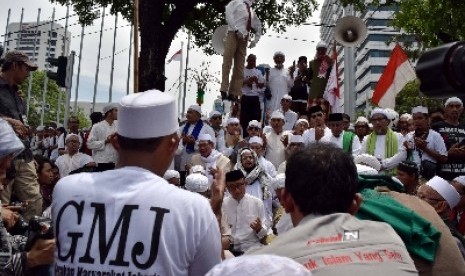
(142, 192)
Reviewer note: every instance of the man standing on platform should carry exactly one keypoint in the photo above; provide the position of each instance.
(319, 71)
(254, 83)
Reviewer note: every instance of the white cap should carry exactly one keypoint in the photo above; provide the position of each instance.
(321, 44)
(361, 119)
(196, 108)
(453, 100)
(214, 113)
(365, 170)
(300, 121)
(197, 183)
(40, 128)
(420, 109)
(446, 190)
(380, 111)
(405, 116)
(255, 123)
(279, 181)
(460, 179)
(9, 142)
(296, 139)
(138, 112)
(287, 97)
(252, 265)
(368, 160)
(205, 137)
(69, 135)
(197, 169)
(109, 107)
(277, 115)
(256, 140)
(232, 120)
(278, 53)
(171, 174)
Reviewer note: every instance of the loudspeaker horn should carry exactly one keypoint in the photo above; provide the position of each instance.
(350, 31)
(218, 38)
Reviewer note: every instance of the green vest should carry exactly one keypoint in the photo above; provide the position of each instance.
(347, 140)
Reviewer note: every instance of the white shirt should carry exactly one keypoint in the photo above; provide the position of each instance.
(136, 204)
(186, 157)
(434, 142)
(279, 83)
(356, 145)
(67, 164)
(102, 152)
(282, 167)
(309, 135)
(237, 16)
(380, 150)
(240, 215)
(290, 117)
(267, 166)
(275, 149)
(254, 90)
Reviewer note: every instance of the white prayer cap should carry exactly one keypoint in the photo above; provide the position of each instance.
(171, 174)
(460, 179)
(279, 181)
(453, 100)
(420, 109)
(109, 107)
(406, 116)
(287, 97)
(392, 115)
(40, 128)
(9, 142)
(214, 113)
(446, 190)
(278, 53)
(380, 111)
(321, 44)
(304, 121)
(196, 108)
(368, 160)
(252, 265)
(205, 137)
(197, 169)
(232, 120)
(362, 120)
(365, 170)
(197, 183)
(255, 123)
(296, 139)
(138, 112)
(256, 140)
(69, 135)
(277, 115)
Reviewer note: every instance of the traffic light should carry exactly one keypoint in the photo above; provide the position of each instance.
(60, 75)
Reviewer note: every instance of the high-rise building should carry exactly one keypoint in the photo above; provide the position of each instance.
(21, 37)
(372, 55)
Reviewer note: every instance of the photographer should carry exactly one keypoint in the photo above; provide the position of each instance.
(13, 259)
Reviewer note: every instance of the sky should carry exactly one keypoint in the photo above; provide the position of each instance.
(297, 41)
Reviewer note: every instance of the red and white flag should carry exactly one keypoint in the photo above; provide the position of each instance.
(396, 75)
(176, 57)
(331, 93)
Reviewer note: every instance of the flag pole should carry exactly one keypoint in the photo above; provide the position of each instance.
(129, 62)
(98, 60)
(136, 46)
(79, 70)
(29, 88)
(185, 74)
(180, 79)
(113, 59)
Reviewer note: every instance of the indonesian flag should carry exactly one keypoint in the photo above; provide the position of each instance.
(396, 75)
(176, 57)
(331, 93)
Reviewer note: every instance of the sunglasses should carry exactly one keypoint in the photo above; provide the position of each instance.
(319, 114)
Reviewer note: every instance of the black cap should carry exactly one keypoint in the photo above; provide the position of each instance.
(302, 58)
(335, 117)
(234, 175)
(408, 167)
(315, 109)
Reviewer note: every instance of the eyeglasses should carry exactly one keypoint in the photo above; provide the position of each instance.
(254, 128)
(216, 117)
(319, 114)
(375, 120)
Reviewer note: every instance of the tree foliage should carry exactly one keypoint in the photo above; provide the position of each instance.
(410, 96)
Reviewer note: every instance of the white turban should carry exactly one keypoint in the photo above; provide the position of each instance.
(368, 160)
(171, 174)
(446, 190)
(197, 183)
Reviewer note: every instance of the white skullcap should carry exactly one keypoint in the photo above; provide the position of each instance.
(453, 100)
(321, 44)
(380, 111)
(196, 108)
(256, 139)
(296, 139)
(40, 128)
(278, 53)
(406, 116)
(368, 160)
(279, 181)
(197, 169)
(69, 135)
(446, 190)
(214, 113)
(420, 109)
(109, 107)
(277, 115)
(460, 179)
(365, 170)
(287, 97)
(361, 119)
(392, 114)
(9, 142)
(232, 120)
(197, 183)
(300, 121)
(50, 128)
(263, 265)
(255, 123)
(138, 112)
(171, 174)
(205, 137)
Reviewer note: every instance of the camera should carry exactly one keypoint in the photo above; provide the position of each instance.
(39, 228)
(441, 71)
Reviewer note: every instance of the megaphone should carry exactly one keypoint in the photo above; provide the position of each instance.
(350, 31)
(218, 38)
